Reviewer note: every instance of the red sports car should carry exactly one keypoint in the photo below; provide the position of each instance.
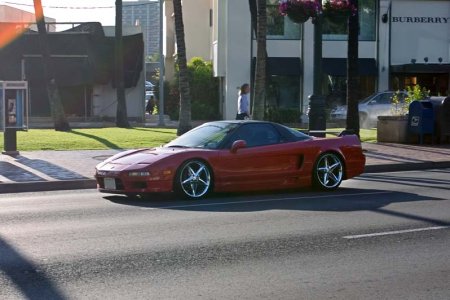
(235, 156)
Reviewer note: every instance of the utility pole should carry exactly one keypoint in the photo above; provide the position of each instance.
(161, 65)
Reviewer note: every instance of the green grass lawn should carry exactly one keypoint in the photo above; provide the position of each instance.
(86, 139)
(109, 138)
(366, 135)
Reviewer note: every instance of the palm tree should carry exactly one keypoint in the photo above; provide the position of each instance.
(185, 122)
(121, 113)
(259, 87)
(253, 14)
(352, 71)
(56, 106)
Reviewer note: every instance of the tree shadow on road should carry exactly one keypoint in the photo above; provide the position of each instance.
(31, 282)
(408, 180)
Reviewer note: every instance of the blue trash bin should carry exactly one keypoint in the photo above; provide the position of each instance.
(421, 119)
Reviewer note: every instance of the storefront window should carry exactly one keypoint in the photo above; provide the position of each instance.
(335, 89)
(436, 84)
(337, 31)
(279, 27)
(284, 91)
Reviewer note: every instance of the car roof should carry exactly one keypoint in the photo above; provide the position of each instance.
(241, 121)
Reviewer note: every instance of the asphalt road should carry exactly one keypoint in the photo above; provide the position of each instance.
(380, 236)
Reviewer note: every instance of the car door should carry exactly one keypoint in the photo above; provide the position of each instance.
(380, 105)
(263, 164)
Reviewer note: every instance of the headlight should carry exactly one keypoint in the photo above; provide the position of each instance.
(139, 174)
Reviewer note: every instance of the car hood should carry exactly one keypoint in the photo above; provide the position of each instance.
(146, 157)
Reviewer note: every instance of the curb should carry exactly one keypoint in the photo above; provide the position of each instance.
(406, 167)
(42, 186)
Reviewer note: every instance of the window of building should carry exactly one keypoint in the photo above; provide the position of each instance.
(279, 27)
(335, 89)
(337, 30)
(283, 91)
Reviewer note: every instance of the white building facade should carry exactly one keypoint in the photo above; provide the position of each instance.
(401, 43)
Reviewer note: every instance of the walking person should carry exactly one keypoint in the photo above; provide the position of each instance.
(244, 103)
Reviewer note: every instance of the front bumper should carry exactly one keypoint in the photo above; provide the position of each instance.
(121, 184)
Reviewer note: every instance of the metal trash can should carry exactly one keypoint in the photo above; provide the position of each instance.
(444, 121)
(421, 119)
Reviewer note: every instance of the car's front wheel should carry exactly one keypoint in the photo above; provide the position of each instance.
(328, 171)
(194, 179)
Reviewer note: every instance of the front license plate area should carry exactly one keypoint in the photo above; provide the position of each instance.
(110, 183)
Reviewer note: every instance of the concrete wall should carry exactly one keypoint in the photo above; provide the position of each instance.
(232, 50)
(104, 99)
(197, 33)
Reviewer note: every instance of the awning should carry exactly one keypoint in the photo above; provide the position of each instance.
(284, 66)
(421, 68)
(338, 66)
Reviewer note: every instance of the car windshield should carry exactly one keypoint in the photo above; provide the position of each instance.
(209, 136)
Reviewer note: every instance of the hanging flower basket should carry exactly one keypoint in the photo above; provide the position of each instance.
(337, 11)
(299, 11)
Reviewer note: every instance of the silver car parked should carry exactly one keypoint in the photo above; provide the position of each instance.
(370, 108)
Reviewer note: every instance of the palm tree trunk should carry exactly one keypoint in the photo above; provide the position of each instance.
(259, 101)
(121, 112)
(253, 14)
(352, 72)
(56, 106)
(185, 122)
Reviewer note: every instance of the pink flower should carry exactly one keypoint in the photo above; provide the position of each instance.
(303, 8)
(339, 6)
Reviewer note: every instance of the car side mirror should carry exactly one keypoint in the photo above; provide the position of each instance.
(372, 102)
(239, 144)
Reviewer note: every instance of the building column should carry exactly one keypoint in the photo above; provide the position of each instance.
(308, 66)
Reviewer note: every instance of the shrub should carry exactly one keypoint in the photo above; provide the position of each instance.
(204, 92)
(282, 115)
(414, 93)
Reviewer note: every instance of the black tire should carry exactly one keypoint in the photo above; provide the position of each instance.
(328, 172)
(194, 179)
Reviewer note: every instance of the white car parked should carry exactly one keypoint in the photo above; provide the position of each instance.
(369, 108)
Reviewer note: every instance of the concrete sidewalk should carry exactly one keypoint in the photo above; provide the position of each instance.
(62, 170)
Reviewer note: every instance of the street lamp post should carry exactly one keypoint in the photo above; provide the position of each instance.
(161, 65)
(317, 119)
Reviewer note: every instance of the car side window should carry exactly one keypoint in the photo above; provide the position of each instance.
(376, 100)
(386, 98)
(258, 134)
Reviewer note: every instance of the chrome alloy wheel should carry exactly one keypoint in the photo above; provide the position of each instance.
(194, 179)
(328, 171)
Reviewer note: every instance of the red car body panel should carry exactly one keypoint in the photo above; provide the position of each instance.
(271, 167)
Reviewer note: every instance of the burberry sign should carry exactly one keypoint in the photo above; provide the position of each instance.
(435, 20)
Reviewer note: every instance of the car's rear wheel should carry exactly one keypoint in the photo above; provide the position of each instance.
(328, 172)
(194, 179)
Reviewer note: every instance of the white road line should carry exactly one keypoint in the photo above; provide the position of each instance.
(264, 200)
(394, 232)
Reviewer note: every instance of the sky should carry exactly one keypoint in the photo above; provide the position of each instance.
(72, 10)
